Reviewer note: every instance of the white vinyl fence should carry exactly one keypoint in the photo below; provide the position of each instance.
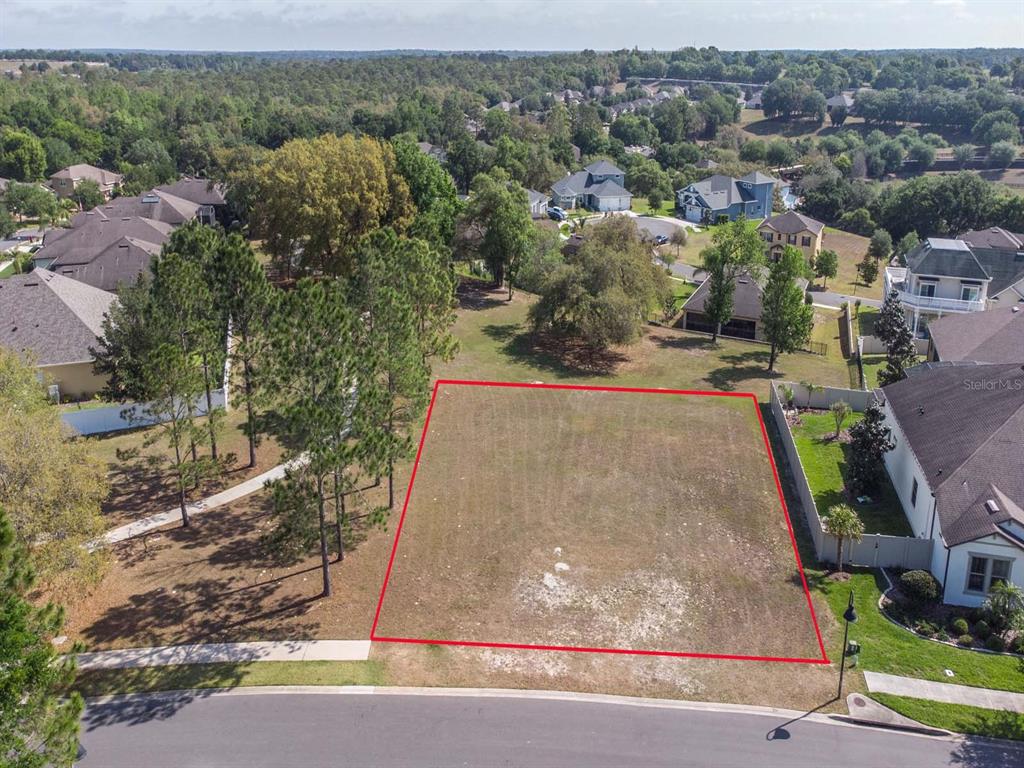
(872, 345)
(874, 549)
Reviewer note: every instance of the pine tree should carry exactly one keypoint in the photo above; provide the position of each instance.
(787, 321)
(890, 317)
(38, 718)
(246, 295)
(330, 401)
(870, 440)
(891, 327)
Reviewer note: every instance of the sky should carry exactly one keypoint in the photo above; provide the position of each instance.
(248, 25)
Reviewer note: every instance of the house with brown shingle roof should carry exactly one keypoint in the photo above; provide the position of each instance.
(795, 229)
(55, 322)
(958, 469)
(64, 181)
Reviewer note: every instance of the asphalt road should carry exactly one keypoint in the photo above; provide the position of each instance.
(312, 730)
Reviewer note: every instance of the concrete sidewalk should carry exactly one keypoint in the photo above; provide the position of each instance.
(226, 496)
(985, 698)
(216, 653)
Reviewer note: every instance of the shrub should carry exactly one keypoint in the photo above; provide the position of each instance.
(923, 627)
(942, 635)
(960, 626)
(920, 587)
(982, 630)
(965, 640)
(1018, 645)
(995, 643)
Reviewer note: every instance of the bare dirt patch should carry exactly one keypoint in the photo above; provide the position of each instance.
(597, 519)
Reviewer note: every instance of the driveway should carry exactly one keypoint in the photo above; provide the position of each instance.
(254, 728)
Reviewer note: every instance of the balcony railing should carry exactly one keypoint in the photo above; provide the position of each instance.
(895, 278)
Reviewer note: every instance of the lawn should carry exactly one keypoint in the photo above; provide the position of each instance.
(886, 647)
(695, 243)
(957, 717)
(873, 365)
(538, 517)
(681, 291)
(641, 207)
(757, 126)
(204, 676)
(850, 249)
(864, 321)
(141, 486)
(824, 461)
(496, 345)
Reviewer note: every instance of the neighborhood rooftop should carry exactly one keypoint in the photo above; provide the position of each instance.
(995, 336)
(966, 426)
(54, 318)
(791, 222)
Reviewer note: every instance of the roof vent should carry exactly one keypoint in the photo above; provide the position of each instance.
(150, 198)
(992, 507)
(920, 410)
(1015, 309)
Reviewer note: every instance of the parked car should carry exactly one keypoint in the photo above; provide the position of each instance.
(557, 214)
(660, 240)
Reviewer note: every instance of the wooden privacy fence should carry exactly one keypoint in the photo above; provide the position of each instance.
(875, 549)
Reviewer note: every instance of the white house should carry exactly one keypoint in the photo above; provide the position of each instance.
(958, 469)
(599, 187)
(946, 276)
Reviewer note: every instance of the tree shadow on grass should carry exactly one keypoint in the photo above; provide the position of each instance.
(566, 357)
(976, 752)
(478, 294)
(740, 368)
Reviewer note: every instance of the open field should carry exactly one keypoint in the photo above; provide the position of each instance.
(825, 461)
(543, 517)
(757, 126)
(850, 249)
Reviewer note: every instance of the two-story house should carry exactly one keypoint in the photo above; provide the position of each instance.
(723, 198)
(958, 469)
(600, 187)
(945, 276)
(64, 181)
(795, 229)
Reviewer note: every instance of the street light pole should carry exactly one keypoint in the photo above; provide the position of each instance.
(850, 615)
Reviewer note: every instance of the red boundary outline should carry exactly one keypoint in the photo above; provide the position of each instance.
(479, 644)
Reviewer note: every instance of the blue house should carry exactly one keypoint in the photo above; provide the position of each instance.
(717, 198)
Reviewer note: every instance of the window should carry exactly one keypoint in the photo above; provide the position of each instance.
(791, 239)
(767, 237)
(805, 241)
(926, 289)
(913, 493)
(983, 572)
(779, 237)
(969, 292)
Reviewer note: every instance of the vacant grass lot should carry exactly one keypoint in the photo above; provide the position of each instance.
(541, 517)
(850, 249)
(825, 462)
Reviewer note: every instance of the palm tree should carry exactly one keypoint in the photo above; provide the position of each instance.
(843, 523)
(840, 412)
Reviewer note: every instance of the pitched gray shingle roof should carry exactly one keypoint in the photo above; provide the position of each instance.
(602, 168)
(198, 191)
(156, 205)
(55, 318)
(608, 188)
(943, 257)
(965, 425)
(993, 336)
(993, 237)
(747, 298)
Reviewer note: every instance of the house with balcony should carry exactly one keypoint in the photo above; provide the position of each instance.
(958, 469)
(945, 276)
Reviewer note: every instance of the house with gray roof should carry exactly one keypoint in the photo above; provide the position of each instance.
(538, 203)
(103, 252)
(600, 187)
(950, 276)
(155, 204)
(55, 322)
(994, 336)
(958, 469)
(209, 195)
(724, 198)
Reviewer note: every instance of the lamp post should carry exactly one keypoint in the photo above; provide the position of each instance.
(850, 615)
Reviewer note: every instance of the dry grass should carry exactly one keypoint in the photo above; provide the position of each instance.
(554, 517)
(141, 485)
(850, 249)
(215, 582)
